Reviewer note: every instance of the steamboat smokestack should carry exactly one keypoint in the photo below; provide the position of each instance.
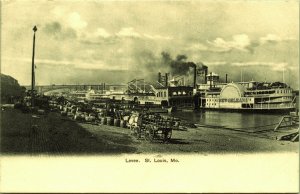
(159, 77)
(166, 79)
(210, 80)
(205, 74)
(195, 76)
(226, 78)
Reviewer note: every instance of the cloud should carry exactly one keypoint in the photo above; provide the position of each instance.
(270, 38)
(81, 64)
(240, 42)
(275, 66)
(39, 61)
(128, 32)
(157, 37)
(58, 12)
(100, 35)
(101, 32)
(56, 30)
(97, 36)
(216, 63)
(71, 19)
(76, 22)
(53, 27)
(273, 38)
(197, 47)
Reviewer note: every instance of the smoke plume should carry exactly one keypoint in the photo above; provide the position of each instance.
(177, 66)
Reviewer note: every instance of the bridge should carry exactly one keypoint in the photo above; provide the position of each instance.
(133, 87)
(73, 87)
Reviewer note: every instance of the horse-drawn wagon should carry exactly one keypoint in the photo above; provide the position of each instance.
(151, 126)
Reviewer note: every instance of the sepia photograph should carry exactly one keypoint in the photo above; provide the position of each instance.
(150, 83)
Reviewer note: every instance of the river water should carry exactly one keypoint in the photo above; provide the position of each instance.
(233, 120)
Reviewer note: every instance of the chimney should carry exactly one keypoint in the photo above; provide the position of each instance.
(195, 76)
(159, 77)
(226, 78)
(210, 80)
(205, 74)
(166, 78)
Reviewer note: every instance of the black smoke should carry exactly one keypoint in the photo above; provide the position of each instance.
(177, 66)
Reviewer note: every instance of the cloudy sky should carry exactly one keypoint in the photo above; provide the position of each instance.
(78, 41)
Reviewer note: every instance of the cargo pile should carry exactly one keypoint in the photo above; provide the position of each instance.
(142, 124)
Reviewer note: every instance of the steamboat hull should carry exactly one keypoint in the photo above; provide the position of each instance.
(244, 110)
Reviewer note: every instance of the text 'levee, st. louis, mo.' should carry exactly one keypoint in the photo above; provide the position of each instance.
(152, 160)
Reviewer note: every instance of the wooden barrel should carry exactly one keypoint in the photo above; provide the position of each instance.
(100, 119)
(123, 123)
(41, 111)
(117, 122)
(110, 120)
(63, 113)
(103, 120)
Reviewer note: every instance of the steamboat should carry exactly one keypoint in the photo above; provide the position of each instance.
(246, 96)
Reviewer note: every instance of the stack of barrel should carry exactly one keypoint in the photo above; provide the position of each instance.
(112, 121)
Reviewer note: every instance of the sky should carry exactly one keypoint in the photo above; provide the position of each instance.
(116, 41)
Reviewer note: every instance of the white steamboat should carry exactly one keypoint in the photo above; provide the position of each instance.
(251, 96)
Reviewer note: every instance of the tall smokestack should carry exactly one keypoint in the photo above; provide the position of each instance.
(195, 76)
(226, 78)
(166, 78)
(210, 80)
(159, 77)
(205, 74)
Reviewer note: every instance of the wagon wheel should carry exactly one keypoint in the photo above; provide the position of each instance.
(167, 135)
(149, 133)
(138, 131)
(133, 130)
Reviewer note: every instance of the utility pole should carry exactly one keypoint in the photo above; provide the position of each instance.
(32, 68)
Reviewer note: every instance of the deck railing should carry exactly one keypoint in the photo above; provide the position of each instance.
(272, 106)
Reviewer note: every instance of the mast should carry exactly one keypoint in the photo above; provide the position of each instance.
(283, 74)
(32, 68)
(242, 74)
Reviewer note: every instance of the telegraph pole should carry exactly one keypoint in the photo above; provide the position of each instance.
(32, 68)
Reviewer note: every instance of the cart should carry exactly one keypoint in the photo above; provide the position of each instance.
(150, 126)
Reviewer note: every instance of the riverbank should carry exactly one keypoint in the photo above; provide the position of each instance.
(53, 134)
